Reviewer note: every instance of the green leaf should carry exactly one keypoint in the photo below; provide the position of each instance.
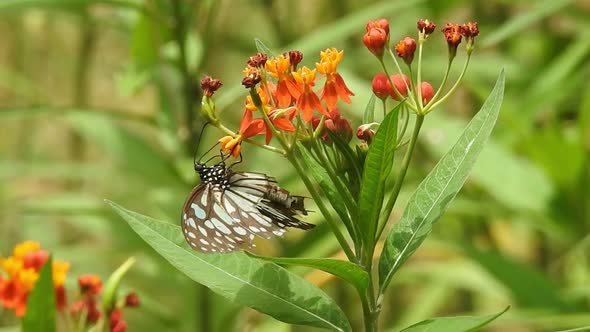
(40, 314)
(111, 287)
(369, 114)
(378, 165)
(348, 153)
(328, 188)
(454, 324)
(265, 287)
(438, 189)
(345, 270)
(262, 48)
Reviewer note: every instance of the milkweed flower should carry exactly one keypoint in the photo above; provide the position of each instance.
(334, 87)
(308, 101)
(427, 92)
(22, 272)
(453, 36)
(280, 68)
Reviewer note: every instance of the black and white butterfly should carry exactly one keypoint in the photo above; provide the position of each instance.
(228, 209)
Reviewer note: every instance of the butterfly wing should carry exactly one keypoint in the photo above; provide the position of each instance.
(206, 224)
(254, 188)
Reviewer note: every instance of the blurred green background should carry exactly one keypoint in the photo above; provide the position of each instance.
(96, 98)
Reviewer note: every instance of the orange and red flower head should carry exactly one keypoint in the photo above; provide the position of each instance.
(308, 101)
(375, 40)
(453, 34)
(90, 284)
(470, 29)
(210, 85)
(286, 91)
(334, 87)
(22, 272)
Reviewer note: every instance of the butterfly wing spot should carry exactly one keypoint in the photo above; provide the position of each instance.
(209, 224)
(203, 241)
(199, 213)
(192, 235)
(240, 230)
(202, 230)
(204, 249)
(221, 227)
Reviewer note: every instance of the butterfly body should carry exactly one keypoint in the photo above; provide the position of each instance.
(228, 209)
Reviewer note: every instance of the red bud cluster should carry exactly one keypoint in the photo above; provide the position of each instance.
(210, 85)
(377, 36)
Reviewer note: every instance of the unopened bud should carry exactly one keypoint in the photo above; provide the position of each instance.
(252, 77)
(295, 58)
(258, 60)
(210, 85)
(401, 83)
(427, 92)
(405, 49)
(375, 40)
(425, 26)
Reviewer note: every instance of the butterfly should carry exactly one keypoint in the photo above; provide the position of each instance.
(228, 209)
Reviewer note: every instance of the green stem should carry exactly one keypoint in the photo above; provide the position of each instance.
(190, 93)
(320, 203)
(440, 89)
(305, 177)
(400, 178)
(384, 103)
(419, 77)
(463, 71)
(350, 202)
(399, 95)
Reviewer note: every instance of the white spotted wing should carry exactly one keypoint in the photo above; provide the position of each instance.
(226, 216)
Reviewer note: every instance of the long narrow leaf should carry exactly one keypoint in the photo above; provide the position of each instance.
(454, 324)
(40, 314)
(328, 188)
(265, 287)
(439, 188)
(378, 165)
(347, 271)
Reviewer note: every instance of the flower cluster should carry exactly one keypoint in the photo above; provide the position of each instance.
(285, 98)
(416, 94)
(21, 271)
(86, 307)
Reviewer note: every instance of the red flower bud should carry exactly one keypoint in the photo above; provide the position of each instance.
(427, 92)
(405, 49)
(338, 126)
(365, 133)
(375, 40)
(295, 58)
(132, 300)
(210, 85)
(116, 322)
(401, 83)
(382, 23)
(425, 26)
(381, 87)
(90, 284)
(258, 60)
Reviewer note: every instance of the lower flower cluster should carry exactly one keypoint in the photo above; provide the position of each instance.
(20, 271)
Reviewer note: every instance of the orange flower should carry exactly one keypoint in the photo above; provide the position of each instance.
(90, 284)
(22, 269)
(334, 86)
(280, 68)
(231, 145)
(308, 100)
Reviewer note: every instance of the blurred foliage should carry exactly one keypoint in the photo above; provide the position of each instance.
(98, 100)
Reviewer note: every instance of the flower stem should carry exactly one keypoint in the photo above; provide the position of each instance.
(320, 203)
(419, 76)
(453, 88)
(400, 178)
(399, 95)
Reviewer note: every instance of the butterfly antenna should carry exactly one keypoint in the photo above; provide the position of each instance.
(198, 142)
